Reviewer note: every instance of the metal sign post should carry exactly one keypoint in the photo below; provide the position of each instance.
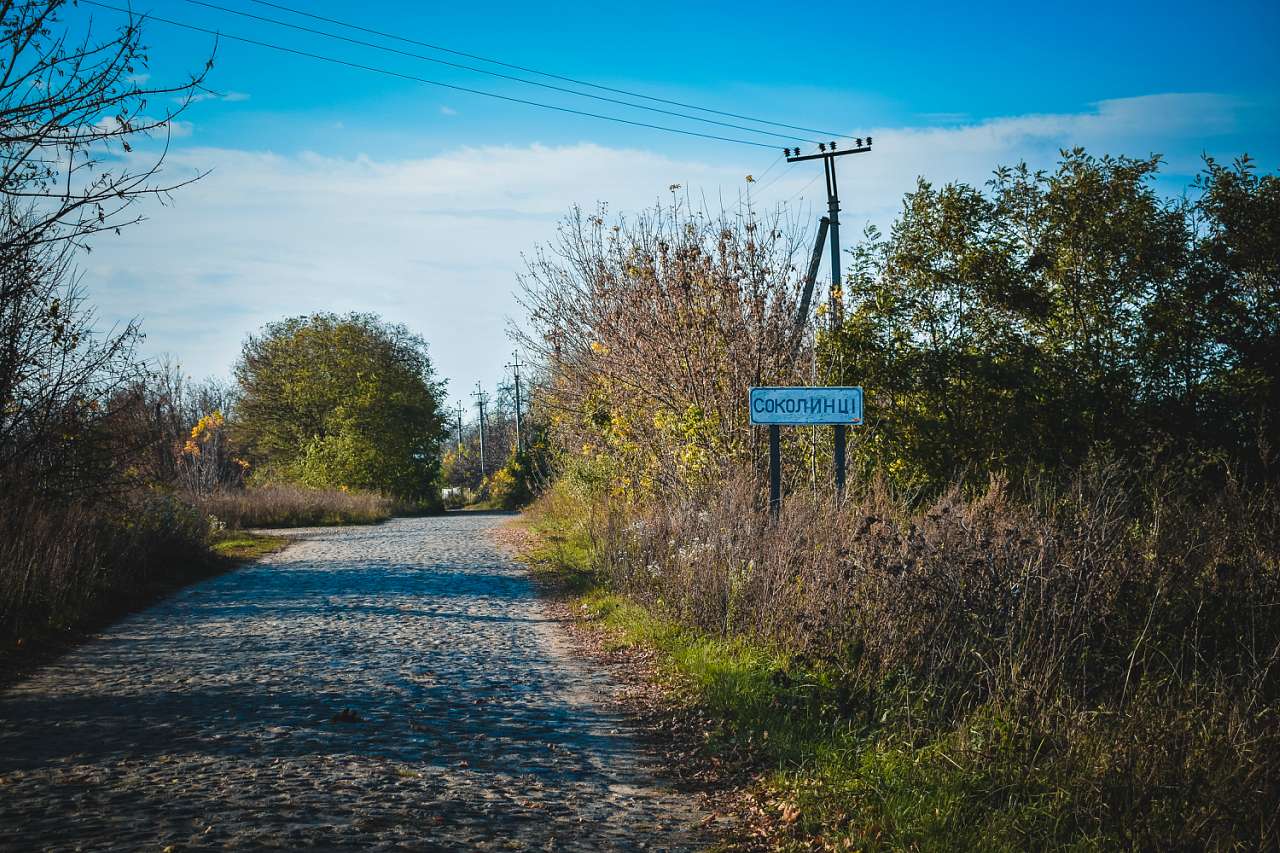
(775, 468)
(774, 407)
(838, 451)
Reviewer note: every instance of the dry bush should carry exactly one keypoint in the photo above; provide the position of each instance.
(286, 505)
(62, 566)
(652, 329)
(1130, 629)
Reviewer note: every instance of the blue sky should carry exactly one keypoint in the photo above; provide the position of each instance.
(337, 189)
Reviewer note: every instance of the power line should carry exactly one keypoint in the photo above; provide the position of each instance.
(802, 191)
(413, 77)
(770, 184)
(772, 166)
(497, 74)
(767, 185)
(529, 70)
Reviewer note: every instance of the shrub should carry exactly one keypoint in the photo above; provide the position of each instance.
(513, 485)
(653, 329)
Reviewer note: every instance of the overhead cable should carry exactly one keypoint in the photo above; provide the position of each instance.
(499, 74)
(527, 69)
(415, 78)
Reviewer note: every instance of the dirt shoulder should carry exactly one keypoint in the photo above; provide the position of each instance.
(726, 780)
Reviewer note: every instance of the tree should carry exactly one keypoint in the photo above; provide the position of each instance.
(1237, 300)
(342, 401)
(71, 111)
(71, 119)
(1054, 313)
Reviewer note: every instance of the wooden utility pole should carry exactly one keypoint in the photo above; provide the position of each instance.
(515, 368)
(459, 425)
(481, 399)
(828, 225)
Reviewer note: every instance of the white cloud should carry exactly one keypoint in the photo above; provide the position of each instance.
(1179, 126)
(436, 242)
(178, 129)
(200, 97)
(174, 128)
(448, 111)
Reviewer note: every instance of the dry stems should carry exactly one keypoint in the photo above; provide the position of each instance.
(1127, 632)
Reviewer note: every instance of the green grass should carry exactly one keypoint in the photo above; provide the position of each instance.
(561, 554)
(858, 768)
(241, 545)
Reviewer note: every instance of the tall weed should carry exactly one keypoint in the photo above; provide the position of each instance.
(64, 566)
(1121, 634)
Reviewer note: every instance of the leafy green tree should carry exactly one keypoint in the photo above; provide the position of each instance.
(1237, 300)
(1053, 313)
(342, 401)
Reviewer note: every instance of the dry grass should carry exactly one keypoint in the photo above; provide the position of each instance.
(68, 565)
(66, 571)
(72, 566)
(1092, 666)
(287, 505)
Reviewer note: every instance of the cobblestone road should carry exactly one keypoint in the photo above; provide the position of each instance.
(207, 721)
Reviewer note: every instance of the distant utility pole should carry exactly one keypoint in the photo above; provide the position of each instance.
(459, 425)
(828, 224)
(481, 399)
(515, 368)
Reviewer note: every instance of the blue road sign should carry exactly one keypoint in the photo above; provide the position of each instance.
(795, 406)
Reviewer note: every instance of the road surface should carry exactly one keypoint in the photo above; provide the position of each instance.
(215, 719)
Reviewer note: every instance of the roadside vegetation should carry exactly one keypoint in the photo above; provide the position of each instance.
(513, 473)
(345, 402)
(239, 545)
(287, 505)
(1046, 613)
(79, 530)
(120, 479)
